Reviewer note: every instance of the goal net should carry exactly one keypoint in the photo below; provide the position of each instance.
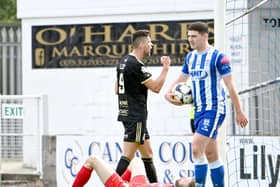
(252, 43)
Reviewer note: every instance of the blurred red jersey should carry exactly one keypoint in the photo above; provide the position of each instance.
(137, 181)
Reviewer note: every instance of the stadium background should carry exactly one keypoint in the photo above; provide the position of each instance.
(75, 108)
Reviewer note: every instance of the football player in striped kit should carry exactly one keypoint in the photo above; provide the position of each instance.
(206, 66)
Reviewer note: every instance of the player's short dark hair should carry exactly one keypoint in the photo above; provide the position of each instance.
(199, 26)
(138, 36)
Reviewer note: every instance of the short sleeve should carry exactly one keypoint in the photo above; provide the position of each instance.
(142, 73)
(223, 65)
(185, 68)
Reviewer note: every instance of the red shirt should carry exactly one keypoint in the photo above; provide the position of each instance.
(138, 181)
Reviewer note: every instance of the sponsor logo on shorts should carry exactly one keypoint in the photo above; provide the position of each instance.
(205, 125)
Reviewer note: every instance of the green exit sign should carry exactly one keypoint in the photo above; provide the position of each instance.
(12, 111)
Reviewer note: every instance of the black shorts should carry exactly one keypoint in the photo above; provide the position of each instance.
(135, 131)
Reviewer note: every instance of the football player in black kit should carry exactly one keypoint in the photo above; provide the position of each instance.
(133, 82)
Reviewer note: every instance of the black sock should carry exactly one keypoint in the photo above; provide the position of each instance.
(122, 165)
(150, 169)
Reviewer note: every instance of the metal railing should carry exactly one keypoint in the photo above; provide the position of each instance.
(10, 59)
(262, 105)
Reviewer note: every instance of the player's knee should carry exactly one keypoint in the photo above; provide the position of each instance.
(211, 156)
(196, 152)
(200, 160)
(90, 161)
(146, 153)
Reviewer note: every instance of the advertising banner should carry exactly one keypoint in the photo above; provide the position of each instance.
(102, 45)
(251, 161)
(172, 156)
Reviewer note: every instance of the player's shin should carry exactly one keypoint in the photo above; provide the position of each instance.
(217, 173)
(200, 172)
(150, 170)
(122, 165)
(82, 177)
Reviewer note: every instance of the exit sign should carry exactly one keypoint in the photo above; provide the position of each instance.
(12, 111)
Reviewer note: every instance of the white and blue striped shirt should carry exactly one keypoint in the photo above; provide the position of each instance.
(206, 70)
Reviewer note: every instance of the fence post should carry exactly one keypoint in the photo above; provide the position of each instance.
(18, 62)
(11, 61)
(4, 62)
(257, 114)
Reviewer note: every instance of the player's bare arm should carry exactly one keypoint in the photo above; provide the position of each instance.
(241, 119)
(169, 95)
(156, 85)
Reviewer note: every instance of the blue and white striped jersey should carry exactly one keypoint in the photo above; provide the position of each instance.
(206, 70)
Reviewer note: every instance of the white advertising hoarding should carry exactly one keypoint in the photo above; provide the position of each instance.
(251, 161)
(172, 156)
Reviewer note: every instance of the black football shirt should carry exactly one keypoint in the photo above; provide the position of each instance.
(132, 93)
